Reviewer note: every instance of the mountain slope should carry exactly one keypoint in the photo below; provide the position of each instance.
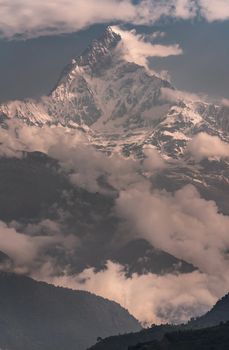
(36, 315)
(102, 90)
(97, 85)
(219, 313)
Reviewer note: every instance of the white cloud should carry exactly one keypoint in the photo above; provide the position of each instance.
(135, 48)
(153, 160)
(206, 146)
(225, 102)
(178, 95)
(34, 17)
(185, 9)
(184, 225)
(21, 248)
(214, 10)
(74, 152)
(9, 146)
(150, 298)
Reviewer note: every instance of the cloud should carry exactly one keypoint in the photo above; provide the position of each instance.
(77, 157)
(182, 224)
(173, 95)
(153, 160)
(135, 48)
(214, 10)
(34, 18)
(9, 145)
(21, 248)
(150, 298)
(225, 102)
(206, 146)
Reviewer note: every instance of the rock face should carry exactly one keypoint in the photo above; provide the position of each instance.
(35, 315)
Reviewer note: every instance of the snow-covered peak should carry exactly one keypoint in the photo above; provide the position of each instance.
(100, 50)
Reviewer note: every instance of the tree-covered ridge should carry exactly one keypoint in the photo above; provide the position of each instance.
(216, 338)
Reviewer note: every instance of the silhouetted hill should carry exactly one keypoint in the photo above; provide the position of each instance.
(122, 342)
(216, 338)
(39, 316)
(219, 313)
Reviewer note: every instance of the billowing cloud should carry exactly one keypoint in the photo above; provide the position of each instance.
(22, 249)
(214, 10)
(150, 298)
(174, 95)
(34, 18)
(184, 225)
(9, 144)
(84, 164)
(206, 146)
(135, 48)
(180, 223)
(153, 160)
(225, 102)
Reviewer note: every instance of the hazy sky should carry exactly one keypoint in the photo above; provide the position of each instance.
(30, 68)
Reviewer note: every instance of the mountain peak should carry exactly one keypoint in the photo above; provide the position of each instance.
(100, 49)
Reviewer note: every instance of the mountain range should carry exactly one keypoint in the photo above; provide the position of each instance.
(120, 108)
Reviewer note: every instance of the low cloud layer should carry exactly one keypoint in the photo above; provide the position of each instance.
(150, 298)
(204, 146)
(21, 248)
(34, 18)
(182, 224)
(75, 154)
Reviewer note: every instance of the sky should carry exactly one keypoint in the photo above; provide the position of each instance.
(30, 67)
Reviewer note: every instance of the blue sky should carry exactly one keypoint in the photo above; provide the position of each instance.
(30, 68)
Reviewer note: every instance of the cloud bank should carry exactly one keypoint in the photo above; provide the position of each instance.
(22, 249)
(150, 298)
(34, 18)
(180, 223)
(204, 146)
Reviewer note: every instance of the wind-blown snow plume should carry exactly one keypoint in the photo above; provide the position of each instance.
(135, 48)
